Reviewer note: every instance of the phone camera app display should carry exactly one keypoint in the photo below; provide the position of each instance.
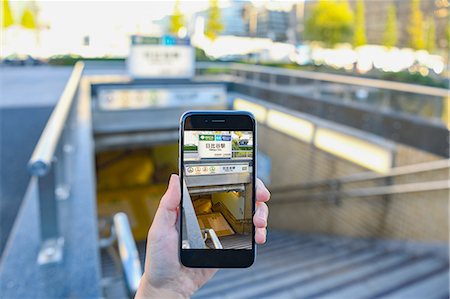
(217, 190)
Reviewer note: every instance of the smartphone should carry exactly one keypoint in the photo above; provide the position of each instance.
(217, 173)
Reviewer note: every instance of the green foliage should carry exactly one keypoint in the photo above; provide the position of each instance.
(431, 35)
(28, 19)
(200, 55)
(447, 33)
(417, 40)
(7, 16)
(190, 148)
(214, 25)
(414, 78)
(390, 36)
(176, 19)
(331, 22)
(71, 59)
(235, 144)
(402, 76)
(359, 38)
(245, 148)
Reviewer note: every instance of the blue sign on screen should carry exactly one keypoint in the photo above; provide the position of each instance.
(223, 137)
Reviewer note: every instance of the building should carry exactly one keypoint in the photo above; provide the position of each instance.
(376, 14)
(231, 18)
(266, 22)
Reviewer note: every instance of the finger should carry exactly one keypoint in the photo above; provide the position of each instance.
(171, 199)
(261, 214)
(168, 206)
(262, 194)
(260, 235)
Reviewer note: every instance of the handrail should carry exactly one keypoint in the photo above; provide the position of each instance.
(370, 191)
(129, 256)
(341, 79)
(51, 164)
(190, 227)
(365, 176)
(214, 238)
(41, 159)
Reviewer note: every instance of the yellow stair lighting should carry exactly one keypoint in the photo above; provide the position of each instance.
(291, 125)
(258, 111)
(356, 150)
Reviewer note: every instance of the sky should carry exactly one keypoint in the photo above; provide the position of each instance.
(65, 24)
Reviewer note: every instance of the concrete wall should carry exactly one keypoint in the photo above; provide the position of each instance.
(412, 216)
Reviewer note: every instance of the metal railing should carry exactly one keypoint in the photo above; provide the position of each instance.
(192, 235)
(129, 256)
(51, 164)
(335, 190)
(235, 68)
(427, 102)
(121, 248)
(213, 236)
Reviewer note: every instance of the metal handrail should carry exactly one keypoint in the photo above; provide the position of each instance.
(41, 159)
(369, 191)
(214, 238)
(190, 227)
(51, 165)
(365, 176)
(333, 78)
(128, 252)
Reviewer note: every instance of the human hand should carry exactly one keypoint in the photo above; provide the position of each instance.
(164, 276)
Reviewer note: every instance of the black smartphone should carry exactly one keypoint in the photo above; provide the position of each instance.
(217, 173)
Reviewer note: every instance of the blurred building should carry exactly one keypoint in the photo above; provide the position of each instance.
(242, 18)
(231, 18)
(272, 24)
(376, 14)
(266, 22)
(438, 9)
(297, 22)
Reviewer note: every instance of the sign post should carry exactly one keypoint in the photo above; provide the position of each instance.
(161, 57)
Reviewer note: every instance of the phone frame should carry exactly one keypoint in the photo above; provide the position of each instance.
(233, 121)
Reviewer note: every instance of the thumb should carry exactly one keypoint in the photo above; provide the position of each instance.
(167, 210)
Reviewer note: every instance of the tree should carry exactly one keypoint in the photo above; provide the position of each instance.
(359, 38)
(331, 22)
(390, 32)
(176, 19)
(214, 25)
(417, 40)
(28, 20)
(431, 35)
(8, 19)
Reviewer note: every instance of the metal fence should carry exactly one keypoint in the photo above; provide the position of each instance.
(430, 103)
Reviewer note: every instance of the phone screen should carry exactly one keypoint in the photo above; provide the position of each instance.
(217, 189)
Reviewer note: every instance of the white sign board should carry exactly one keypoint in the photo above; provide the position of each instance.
(156, 97)
(216, 169)
(214, 146)
(161, 61)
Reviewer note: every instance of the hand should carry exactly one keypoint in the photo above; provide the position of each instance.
(164, 276)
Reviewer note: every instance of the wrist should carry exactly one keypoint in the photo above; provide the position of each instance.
(147, 290)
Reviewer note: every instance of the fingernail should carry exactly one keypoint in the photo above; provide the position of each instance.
(173, 176)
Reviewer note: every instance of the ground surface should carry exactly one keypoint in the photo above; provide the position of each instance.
(295, 265)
